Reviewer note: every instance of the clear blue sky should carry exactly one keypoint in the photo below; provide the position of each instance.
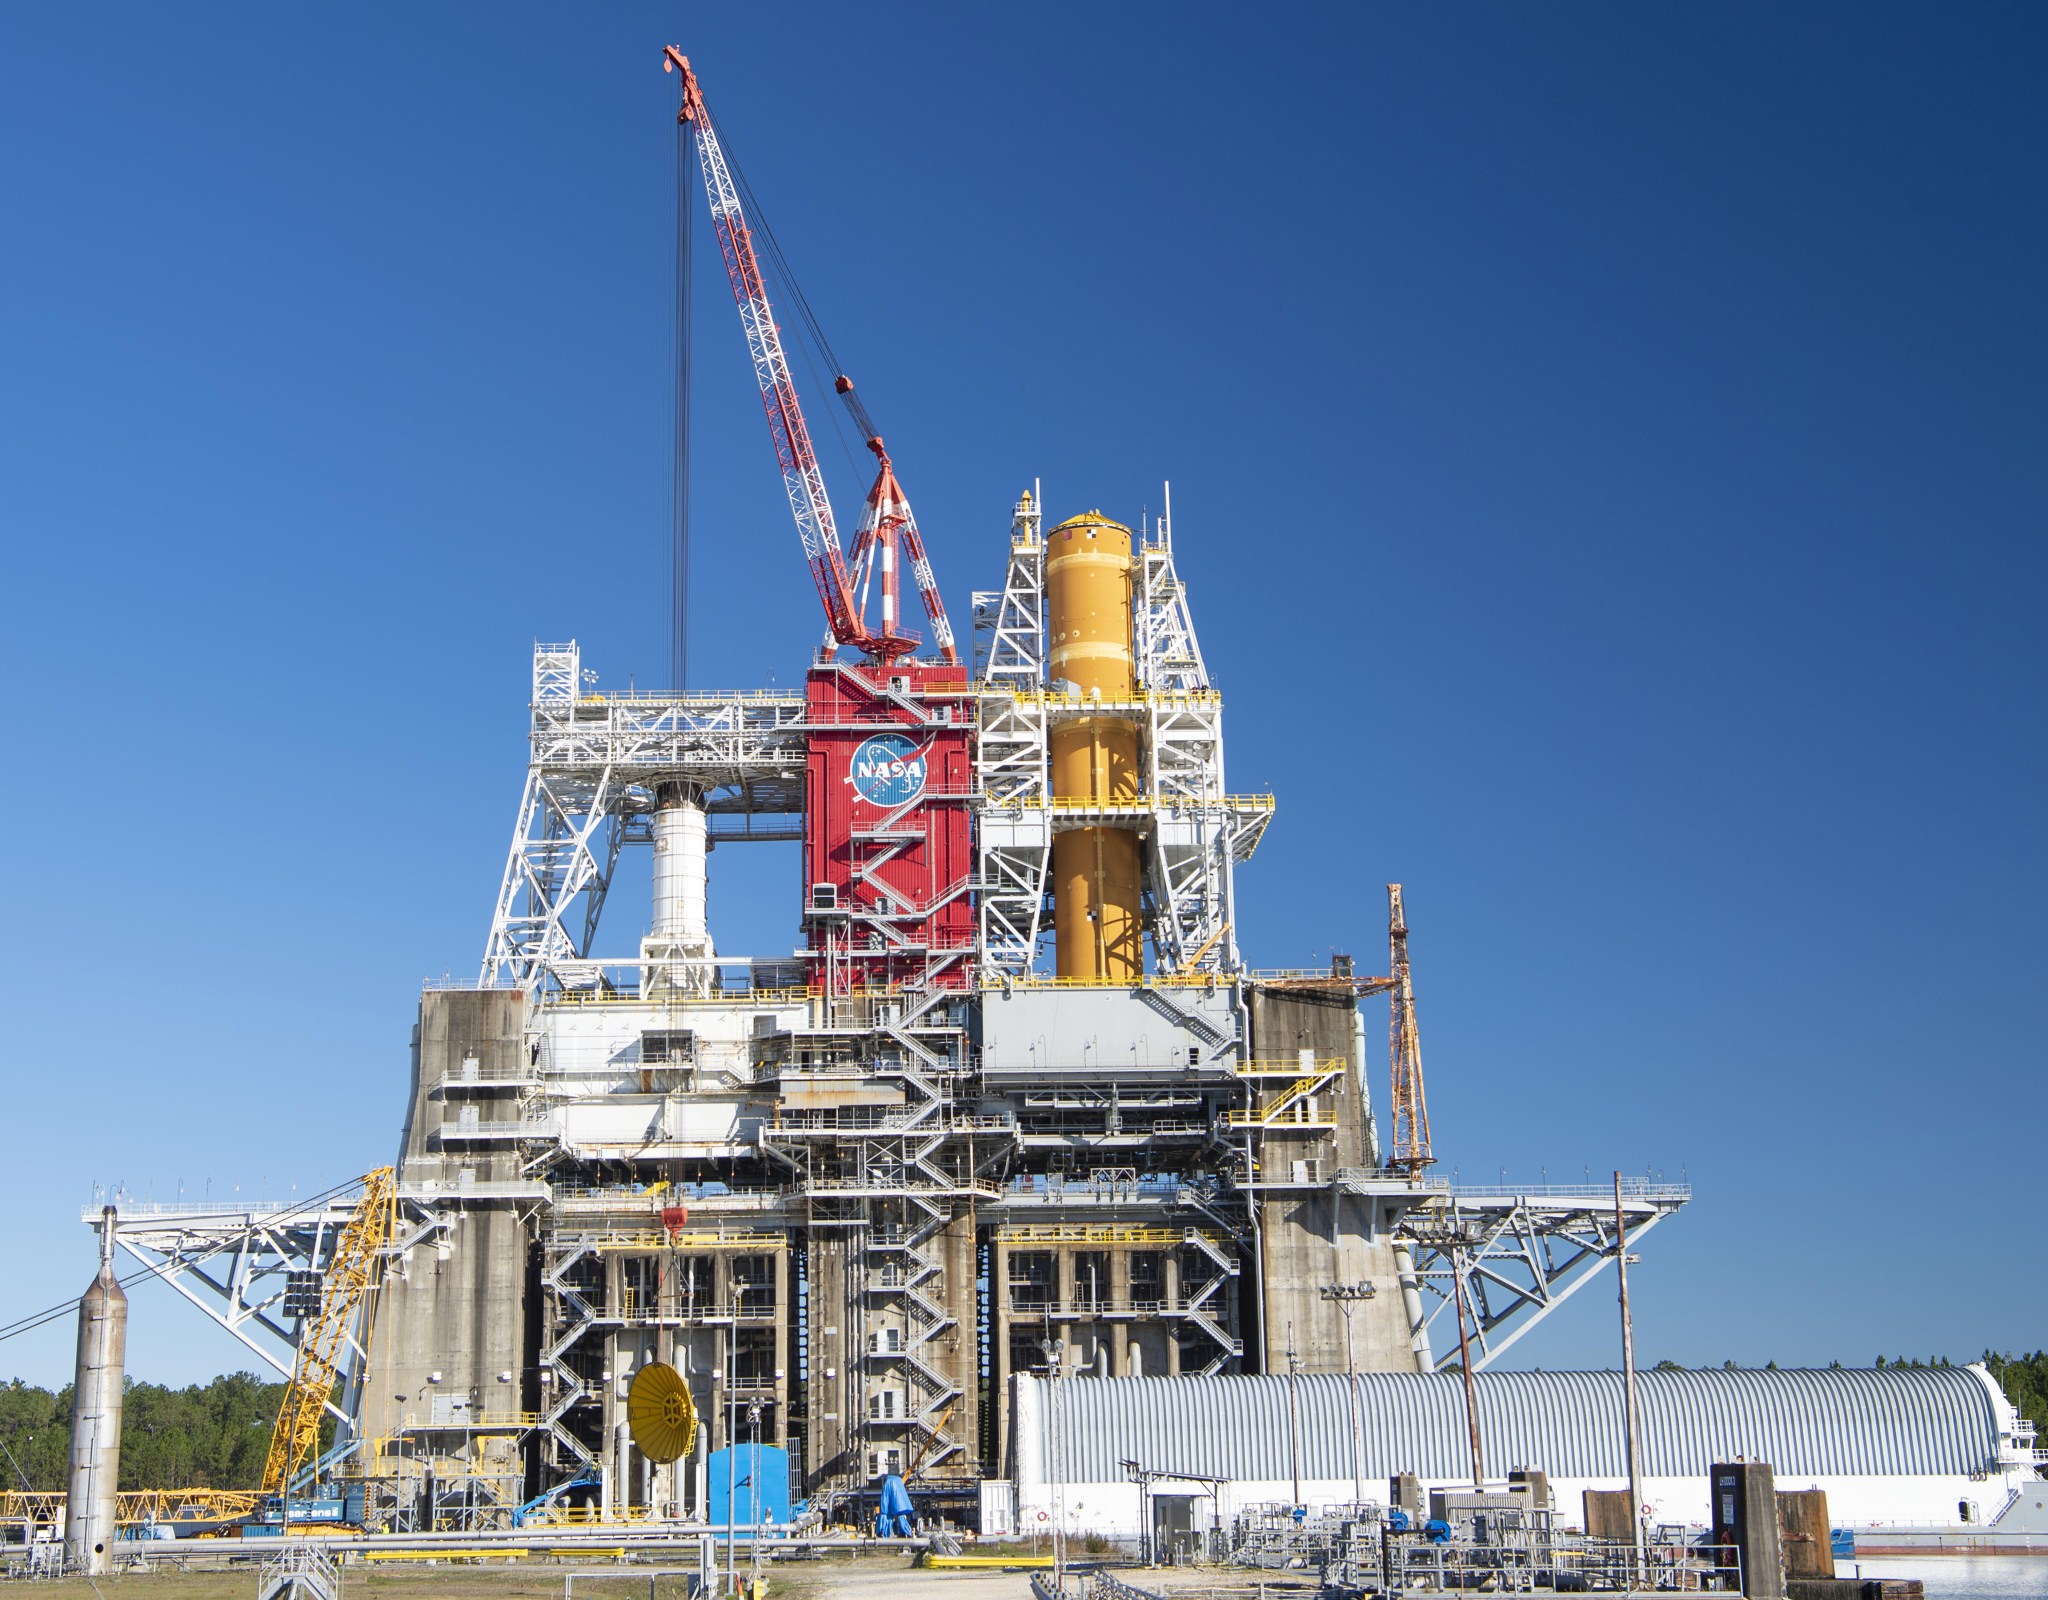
(1608, 450)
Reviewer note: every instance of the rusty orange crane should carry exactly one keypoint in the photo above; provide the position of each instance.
(1411, 1109)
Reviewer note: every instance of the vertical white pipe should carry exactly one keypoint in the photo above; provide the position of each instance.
(679, 866)
(96, 1415)
(701, 1510)
(1411, 1306)
(1361, 1077)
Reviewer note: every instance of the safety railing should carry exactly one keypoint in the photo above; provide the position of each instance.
(705, 699)
(1106, 1306)
(1300, 976)
(647, 1239)
(1139, 700)
(1096, 1233)
(1631, 1189)
(621, 995)
(1145, 803)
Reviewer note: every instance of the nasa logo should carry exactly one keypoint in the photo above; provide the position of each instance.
(888, 770)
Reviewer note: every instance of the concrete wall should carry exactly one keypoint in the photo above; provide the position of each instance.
(832, 1393)
(1312, 1236)
(456, 1303)
(1310, 1239)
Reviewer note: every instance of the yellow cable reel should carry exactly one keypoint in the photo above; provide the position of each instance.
(660, 1412)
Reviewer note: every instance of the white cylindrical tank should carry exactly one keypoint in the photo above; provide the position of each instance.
(96, 1415)
(679, 847)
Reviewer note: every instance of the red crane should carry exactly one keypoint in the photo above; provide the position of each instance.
(888, 530)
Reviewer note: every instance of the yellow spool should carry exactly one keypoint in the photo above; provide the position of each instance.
(661, 1413)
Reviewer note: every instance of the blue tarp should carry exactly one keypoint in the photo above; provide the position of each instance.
(760, 1485)
(897, 1517)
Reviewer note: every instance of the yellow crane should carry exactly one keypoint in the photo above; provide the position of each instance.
(351, 1279)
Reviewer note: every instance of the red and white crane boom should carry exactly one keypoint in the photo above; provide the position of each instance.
(887, 519)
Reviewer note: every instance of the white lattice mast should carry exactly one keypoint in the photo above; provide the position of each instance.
(1013, 827)
(565, 845)
(1201, 832)
(1169, 657)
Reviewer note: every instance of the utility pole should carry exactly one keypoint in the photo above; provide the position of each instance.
(1631, 1417)
(754, 1493)
(1465, 1365)
(1345, 1295)
(1294, 1415)
(732, 1361)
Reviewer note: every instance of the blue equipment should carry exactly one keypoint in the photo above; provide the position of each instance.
(757, 1476)
(547, 1501)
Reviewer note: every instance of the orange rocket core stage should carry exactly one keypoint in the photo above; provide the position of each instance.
(1097, 871)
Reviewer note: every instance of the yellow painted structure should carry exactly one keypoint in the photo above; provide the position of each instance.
(1097, 872)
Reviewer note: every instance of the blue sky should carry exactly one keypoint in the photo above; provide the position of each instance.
(1607, 461)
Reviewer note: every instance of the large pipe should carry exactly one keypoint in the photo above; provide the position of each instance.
(96, 1415)
(679, 864)
(677, 952)
(1411, 1307)
(1097, 871)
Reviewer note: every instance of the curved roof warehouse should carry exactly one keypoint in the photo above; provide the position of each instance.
(1889, 1444)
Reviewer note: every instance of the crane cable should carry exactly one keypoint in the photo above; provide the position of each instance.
(679, 402)
(792, 292)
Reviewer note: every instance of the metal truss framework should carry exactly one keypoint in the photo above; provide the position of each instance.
(1196, 832)
(1014, 836)
(590, 790)
(1521, 1253)
(1169, 658)
(233, 1263)
(896, 1187)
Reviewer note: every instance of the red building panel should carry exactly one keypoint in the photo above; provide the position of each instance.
(888, 827)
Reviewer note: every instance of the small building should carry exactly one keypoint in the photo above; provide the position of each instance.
(1889, 1445)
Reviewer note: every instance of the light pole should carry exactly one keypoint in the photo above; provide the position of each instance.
(1345, 1296)
(1465, 1368)
(1054, 1361)
(1630, 1420)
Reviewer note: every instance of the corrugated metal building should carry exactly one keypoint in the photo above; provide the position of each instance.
(1890, 1444)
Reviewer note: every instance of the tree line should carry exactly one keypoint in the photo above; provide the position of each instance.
(208, 1436)
(216, 1435)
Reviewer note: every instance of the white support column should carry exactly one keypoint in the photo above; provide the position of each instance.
(678, 951)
